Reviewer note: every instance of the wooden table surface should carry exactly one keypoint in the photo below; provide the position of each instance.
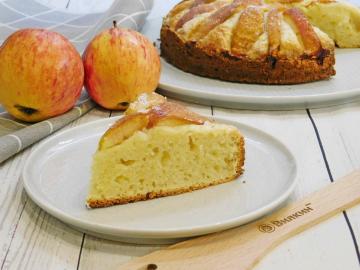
(325, 142)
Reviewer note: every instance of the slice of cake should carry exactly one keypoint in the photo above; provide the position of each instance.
(162, 149)
(337, 18)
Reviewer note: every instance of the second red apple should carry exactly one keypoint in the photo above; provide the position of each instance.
(119, 65)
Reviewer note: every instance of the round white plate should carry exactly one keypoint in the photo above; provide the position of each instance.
(57, 175)
(342, 88)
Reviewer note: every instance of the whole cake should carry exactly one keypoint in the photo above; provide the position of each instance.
(256, 41)
(160, 149)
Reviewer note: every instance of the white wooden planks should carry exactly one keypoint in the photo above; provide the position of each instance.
(329, 245)
(339, 130)
(30, 238)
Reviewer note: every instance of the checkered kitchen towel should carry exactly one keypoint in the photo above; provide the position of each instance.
(79, 28)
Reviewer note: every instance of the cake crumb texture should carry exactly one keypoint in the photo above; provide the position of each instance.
(164, 161)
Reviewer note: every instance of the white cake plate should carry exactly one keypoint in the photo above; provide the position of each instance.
(57, 175)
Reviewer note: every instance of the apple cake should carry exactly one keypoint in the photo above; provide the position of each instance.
(160, 151)
(256, 41)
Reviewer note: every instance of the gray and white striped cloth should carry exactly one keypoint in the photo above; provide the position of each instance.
(79, 28)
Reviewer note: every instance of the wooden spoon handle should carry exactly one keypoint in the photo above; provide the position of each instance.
(241, 248)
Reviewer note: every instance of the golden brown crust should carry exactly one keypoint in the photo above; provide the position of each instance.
(241, 162)
(152, 195)
(268, 70)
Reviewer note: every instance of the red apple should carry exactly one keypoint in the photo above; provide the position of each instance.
(120, 64)
(41, 74)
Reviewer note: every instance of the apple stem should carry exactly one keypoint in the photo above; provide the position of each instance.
(114, 24)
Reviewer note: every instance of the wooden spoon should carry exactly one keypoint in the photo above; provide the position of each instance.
(241, 248)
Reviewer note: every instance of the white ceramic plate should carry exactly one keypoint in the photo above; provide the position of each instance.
(344, 87)
(57, 174)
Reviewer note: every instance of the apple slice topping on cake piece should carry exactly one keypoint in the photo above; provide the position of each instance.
(161, 114)
(145, 102)
(273, 25)
(178, 10)
(249, 28)
(123, 129)
(197, 10)
(213, 20)
(305, 32)
(273, 28)
(173, 114)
